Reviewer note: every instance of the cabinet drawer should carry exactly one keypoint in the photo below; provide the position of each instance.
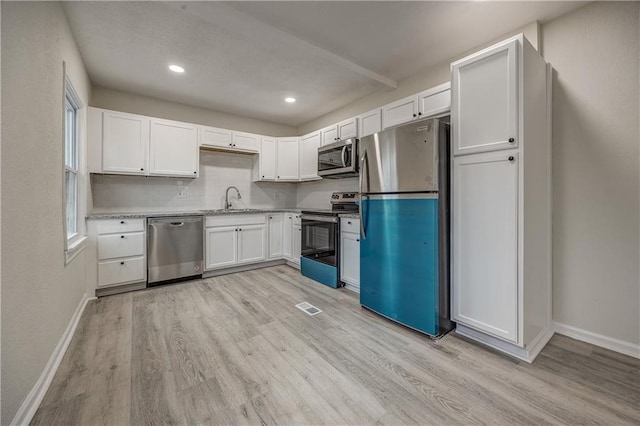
(112, 226)
(350, 225)
(235, 219)
(121, 271)
(120, 245)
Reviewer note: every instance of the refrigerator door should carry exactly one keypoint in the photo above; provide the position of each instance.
(399, 260)
(401, 159)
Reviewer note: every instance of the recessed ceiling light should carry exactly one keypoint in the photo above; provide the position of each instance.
(290, 100)
(176, 68)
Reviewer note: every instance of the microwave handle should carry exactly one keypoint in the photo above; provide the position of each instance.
(343, 156)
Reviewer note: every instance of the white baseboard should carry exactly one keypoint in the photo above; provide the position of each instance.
(31, 403)
(528, 353)
(606, 342)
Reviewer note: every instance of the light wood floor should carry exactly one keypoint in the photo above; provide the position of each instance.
(235, 350)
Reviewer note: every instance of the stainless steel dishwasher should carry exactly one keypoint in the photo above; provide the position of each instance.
(174, 249)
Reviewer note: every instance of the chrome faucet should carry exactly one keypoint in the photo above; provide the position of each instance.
(227, 204)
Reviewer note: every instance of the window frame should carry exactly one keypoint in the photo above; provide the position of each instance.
(75, 242)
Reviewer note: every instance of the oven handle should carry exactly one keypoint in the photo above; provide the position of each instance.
(330, 219)
(363, 161)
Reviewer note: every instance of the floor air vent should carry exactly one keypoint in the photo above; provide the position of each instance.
(308, 308)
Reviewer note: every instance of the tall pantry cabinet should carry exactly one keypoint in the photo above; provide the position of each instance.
(501, 203)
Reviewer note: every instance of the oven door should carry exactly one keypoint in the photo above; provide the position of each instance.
(338, 158)
(319, 238)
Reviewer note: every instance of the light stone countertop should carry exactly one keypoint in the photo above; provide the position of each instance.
(350, 215)
(132, 215)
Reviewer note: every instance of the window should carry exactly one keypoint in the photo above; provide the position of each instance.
(71, 164)
(72, 195)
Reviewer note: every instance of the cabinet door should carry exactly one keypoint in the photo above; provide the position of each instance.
(221, 247)
(350, 259)
(434, 101)
(125, 143)
(485, 243)
(245, 141)
(329, 135)
(173, 150)
(370, 122)
(287, 236)
(215, 138)
(276, 222)
(399, 112)
(297, 243)
(348, 128)
(309, 145)
(268, 159)
(484, 103)
(252, 241)
(287, 159)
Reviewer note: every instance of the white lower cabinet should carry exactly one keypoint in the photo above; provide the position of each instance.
(221, 247)
(232, 240)
(251, 243)
(485, 236)
(350, 253)
(276, 223)
(292, 237)
(120, 251)
(287, 236)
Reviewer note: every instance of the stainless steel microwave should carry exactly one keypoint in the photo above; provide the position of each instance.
(339, 159)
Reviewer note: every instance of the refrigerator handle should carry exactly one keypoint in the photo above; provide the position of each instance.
(362, 231)
(363, 160)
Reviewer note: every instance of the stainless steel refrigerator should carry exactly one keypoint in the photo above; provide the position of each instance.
(404, 207)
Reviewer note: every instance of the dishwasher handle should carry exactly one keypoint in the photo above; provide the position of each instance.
(176, 224)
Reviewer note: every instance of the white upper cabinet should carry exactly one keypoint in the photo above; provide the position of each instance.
(125, 143)
(309, 145)
(370, 122)
(329, 134)
(485, 102)
(485, 242)
(215, 138)
(434, 101)
(267, 168)
(173, 149)
(245, 141)
(348, 129)
(401, 111)
(287, 159)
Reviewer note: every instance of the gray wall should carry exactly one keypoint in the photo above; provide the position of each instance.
(144, 105)
(39, 294)
(595, 52)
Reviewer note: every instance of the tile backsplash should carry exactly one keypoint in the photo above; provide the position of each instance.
(317, 194)
(218, 171)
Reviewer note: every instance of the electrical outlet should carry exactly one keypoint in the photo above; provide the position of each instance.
(183, 193)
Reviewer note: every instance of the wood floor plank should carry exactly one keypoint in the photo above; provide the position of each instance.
(235, 350)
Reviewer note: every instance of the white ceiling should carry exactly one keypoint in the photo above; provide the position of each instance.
(245, 57)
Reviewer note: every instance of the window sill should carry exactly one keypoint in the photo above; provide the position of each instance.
(74, 249)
